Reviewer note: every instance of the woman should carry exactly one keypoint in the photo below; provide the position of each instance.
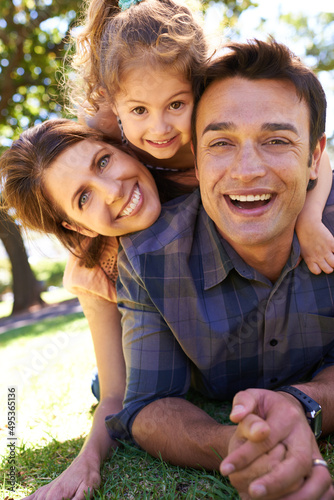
(65, 179)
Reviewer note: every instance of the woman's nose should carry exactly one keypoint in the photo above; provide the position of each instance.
(111, 190)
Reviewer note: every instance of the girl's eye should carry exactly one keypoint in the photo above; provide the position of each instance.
(176, 105)
(139, 111)
(83, 199)
(104, 162)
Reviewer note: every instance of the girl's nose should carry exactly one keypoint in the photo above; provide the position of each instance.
(159, 125)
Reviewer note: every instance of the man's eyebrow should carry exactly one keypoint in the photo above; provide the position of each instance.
(272, 127)
(91, 168)
(219, 126)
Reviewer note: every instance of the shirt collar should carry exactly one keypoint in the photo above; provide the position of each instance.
(219, 258)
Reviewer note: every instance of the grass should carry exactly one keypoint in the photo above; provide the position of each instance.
(50, 365)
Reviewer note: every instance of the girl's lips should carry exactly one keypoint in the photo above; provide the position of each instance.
(162, 144)
(134, 203)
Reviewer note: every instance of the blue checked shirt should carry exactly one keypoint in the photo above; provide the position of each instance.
(194, 313)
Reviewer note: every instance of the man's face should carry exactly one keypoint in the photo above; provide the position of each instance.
(253, 159)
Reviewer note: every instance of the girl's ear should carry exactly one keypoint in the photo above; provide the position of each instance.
(81, 230)
(114, 109)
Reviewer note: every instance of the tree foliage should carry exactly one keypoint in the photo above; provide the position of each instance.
(32, 48)
(34, 35)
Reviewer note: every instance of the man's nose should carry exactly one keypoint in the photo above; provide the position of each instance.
(248, 163)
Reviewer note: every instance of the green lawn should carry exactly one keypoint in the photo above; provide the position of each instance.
(50, 364)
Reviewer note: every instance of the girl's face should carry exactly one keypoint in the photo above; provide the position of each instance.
(104, 190)
(155, 110)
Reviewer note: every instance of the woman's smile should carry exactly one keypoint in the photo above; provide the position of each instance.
(103, 190)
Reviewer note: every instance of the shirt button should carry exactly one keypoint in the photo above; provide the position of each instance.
(273, 342)
(273, 380)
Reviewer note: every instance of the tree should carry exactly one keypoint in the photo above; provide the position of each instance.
(26, 288)
(33, 43)
(32, 48)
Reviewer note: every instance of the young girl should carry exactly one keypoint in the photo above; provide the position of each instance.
(135, 69)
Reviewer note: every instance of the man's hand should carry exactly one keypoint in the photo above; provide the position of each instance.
(279, 463)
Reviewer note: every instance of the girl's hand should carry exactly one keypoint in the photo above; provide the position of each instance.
(317, 246)
(73, 483)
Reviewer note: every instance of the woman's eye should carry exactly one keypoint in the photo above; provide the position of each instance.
(176, 105)
(104, 162)
(139, 111)
(83, 199)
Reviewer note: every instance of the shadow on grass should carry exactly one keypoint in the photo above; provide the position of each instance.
(130, 473)
(50, 325)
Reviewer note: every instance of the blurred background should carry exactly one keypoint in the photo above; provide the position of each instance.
(34, 38)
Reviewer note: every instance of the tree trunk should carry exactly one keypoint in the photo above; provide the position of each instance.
(26, 289)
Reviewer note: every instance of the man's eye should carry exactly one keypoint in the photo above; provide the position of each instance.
(176, 105)
(139, 111)
(277, 142)
(219, 143)
(83, 199)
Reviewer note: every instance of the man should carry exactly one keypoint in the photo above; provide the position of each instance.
(217, 296)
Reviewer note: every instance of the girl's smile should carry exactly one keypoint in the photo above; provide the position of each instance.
(155, 111)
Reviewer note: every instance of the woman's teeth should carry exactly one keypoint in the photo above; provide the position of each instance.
(133, 203)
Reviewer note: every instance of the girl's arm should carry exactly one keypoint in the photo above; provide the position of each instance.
(84, 472)
(316, 241)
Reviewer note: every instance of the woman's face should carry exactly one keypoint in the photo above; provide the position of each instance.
(103, 189)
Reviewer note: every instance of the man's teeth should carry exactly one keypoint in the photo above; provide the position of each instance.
(133, 203)
(250, 197)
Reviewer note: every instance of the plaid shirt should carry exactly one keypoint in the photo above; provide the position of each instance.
(195, 313)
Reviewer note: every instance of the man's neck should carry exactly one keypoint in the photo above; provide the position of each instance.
(268, 259)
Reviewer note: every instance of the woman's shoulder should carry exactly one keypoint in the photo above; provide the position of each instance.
(99, 280)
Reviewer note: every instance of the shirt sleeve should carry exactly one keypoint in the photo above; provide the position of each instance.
(156, 365)
(80, 280)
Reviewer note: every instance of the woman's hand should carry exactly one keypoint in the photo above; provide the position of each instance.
(73, 483)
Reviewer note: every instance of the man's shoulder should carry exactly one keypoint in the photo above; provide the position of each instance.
(177, 220)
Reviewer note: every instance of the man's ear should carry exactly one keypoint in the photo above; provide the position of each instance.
(317, 156)
(81, 230)
(195, 160)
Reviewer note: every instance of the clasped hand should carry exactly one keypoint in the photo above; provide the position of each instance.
(272, 450)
